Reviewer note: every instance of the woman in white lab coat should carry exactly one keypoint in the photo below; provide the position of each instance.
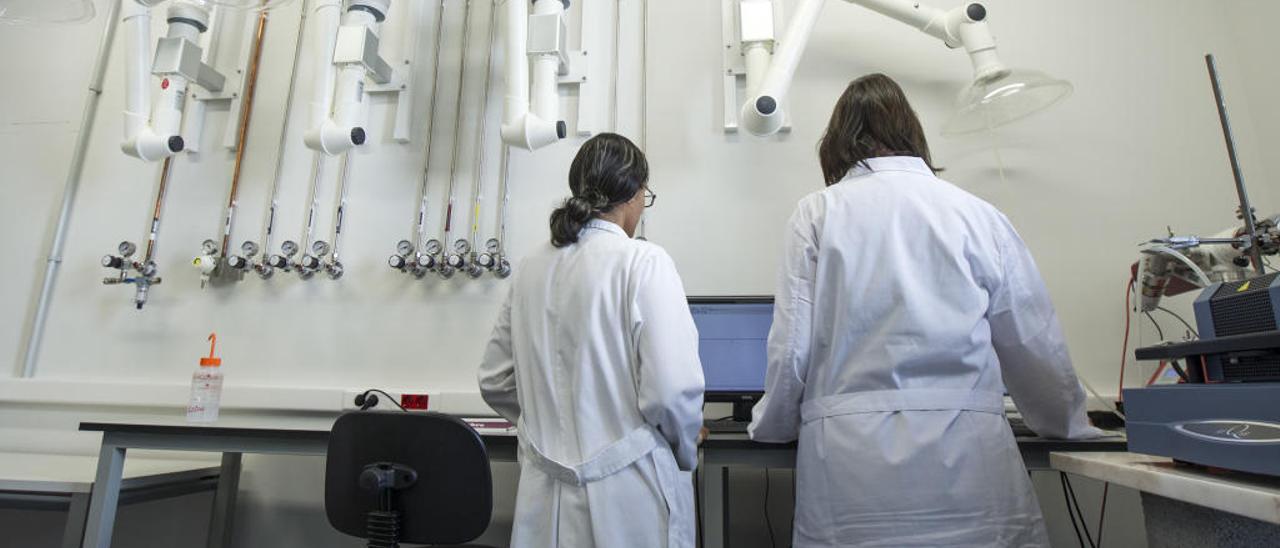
(595, 358)
(905, 307)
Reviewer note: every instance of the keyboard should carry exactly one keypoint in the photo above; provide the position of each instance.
(726, 426)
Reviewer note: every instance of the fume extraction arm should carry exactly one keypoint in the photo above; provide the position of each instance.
(151, 133)
(349, 40)
(542, 39)
(998, 95)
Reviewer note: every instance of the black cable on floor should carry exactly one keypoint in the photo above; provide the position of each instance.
(1102, 515)
(1075, 503)
(697, 506)
(773, 542)
(1067, 499)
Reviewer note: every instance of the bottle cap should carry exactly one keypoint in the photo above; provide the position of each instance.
(211, 361)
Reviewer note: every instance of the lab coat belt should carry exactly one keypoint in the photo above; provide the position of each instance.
(617, 456)
(882, 401)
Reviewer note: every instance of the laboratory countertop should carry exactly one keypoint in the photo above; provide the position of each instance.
(1110, 443)
(1248, 495)
(75, 473)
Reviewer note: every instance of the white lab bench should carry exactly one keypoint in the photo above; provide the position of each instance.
(1186, 505)
(234, 438)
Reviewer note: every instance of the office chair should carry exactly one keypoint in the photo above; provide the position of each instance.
(420, 478)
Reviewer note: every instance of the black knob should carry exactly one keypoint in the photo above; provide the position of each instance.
(562, 129)
(176, 144)
(111, 261)
(310, 262)
(237, 262)
(357, 136)
(278, 261)
(396, 262)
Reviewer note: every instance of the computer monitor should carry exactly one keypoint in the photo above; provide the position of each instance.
(732, 337)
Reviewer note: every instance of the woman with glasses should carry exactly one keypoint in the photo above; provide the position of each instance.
(595, 357)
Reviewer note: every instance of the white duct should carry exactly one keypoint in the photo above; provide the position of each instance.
(762, 113)
(142, 139)
(325, 134)
(523, 126)
(965, 26)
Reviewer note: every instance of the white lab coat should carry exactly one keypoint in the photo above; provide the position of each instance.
(902, 300)
(595, 357)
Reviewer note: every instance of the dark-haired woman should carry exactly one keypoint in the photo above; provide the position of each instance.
(595, 358)
(903, 302)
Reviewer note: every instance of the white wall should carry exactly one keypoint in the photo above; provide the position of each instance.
(1135, 149)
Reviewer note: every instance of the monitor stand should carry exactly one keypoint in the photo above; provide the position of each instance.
(742, 409)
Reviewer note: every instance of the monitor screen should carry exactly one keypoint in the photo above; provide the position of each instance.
(732, 335)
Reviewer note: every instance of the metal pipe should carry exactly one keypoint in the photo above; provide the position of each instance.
(644, 101)
(268, 226)
(71, 188)
(446, 270)
(308, 231)
(420, 235)
(157, 210)
(1246, 210)
(482, 136)
(617, 60)
(334, 265)
(246, 113)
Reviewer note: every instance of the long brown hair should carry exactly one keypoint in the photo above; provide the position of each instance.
(872, 118)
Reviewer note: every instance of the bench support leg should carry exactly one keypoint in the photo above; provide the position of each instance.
(105, 498)
(224, 502)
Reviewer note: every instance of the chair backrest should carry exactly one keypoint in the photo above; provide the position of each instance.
(452, 498)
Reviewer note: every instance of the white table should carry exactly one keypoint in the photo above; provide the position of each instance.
(57, 482)
(1186, 505)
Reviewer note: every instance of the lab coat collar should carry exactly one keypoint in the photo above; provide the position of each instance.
(912, 164)
(607, 226)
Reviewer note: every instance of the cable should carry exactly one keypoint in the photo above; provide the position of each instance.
(697, 505)
(1102, 515)
(1075, 503)
(1184, 322)
(1062, 478)
(1124, 351)
(1159, 331)
(1178, 368)
(362, 398)
(773, 542)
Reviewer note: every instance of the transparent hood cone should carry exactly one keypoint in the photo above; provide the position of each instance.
(45, 11)
(999, 101)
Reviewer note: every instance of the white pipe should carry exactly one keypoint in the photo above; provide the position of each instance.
(325, 136)
(520, 127)
(762, 113)
(964, 26)
(758, 59)
(141, 140)
(931, 21)
(72, 187)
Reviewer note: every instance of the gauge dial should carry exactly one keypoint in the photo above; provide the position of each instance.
(461, 247)
(434, 247)
(126, 249)
(209, 247)
(320, 248)
(405, 247)
(290, 248)
(493, 245)
(249, 249)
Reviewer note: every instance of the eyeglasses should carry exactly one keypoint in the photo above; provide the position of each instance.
(649, 198)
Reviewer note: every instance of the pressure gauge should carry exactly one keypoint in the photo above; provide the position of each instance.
(111, 261)
(320, 248)
(434, 247)
(427, 262)
(150, 269)
(461, 247)
(397, 262)
(277, 261)
(209, 247)
(127, 249)
(455, 261)
(493, 245)
(249, 249)
(289, 247)
(405, 248)
(485, 260)
(310, 262)
(237, 262)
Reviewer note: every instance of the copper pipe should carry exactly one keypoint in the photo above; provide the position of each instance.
(165, 169)
(246, 111)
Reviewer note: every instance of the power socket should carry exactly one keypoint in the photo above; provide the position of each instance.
(410, 401)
